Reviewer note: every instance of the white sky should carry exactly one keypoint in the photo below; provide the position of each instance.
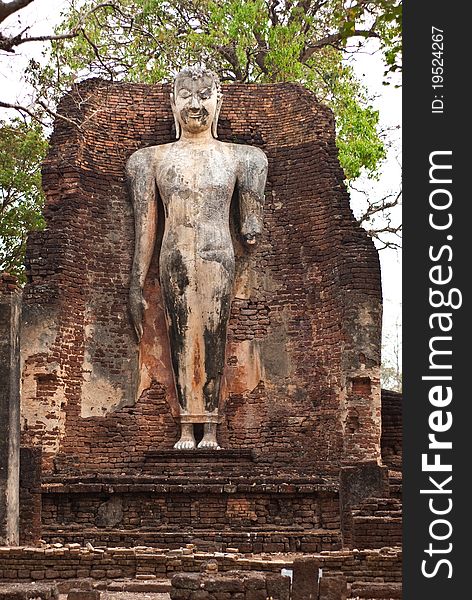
(42, 15)
(388, 100)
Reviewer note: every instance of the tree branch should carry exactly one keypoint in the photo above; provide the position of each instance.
(229, 53)
(97, 54)
(381, 205)
(21, 109)
(272, 5)
(28, 111)
(8, 44)
(12, 7)
(376, 234)
(332, 40)
(261, 52)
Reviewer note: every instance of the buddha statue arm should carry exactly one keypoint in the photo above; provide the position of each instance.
(252, 177)
(142, 187)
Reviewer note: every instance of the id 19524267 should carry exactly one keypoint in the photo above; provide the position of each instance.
(437, 70)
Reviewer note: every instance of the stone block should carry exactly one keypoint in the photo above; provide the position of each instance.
(255, 581)
(223, 584)
(380, 591)
(28, 591)
(357, 483)
(186, 581)
(333, 588)
(278, 587)
(64, 587)
(201, 595)
(83, 594)
(305, 579)
(180, 594)
(256, 595)
(30, 525)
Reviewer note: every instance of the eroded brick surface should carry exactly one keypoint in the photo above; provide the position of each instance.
(392, 427)
(230, 586)
(377, 523)
(74, 562)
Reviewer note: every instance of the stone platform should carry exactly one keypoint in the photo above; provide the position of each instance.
(213, 499)
(218, 500)
(192, 462)
(205, 540)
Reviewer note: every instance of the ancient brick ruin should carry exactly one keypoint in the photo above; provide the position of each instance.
(302, 466)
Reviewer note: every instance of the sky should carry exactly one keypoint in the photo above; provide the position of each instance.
(388, 101)
(42, 15)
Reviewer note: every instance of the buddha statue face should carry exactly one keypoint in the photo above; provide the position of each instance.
(196, 101)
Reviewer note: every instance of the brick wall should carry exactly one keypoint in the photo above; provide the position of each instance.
(201, 505)
(8, 284)
(303, 349)
(377, 523)
(231, 586)
(392, 429)
(114, 563)
(249, 514)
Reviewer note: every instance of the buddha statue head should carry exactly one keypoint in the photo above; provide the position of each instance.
(196, 101)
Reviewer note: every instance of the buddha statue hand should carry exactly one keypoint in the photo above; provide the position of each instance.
(250, 230)
(137, 305)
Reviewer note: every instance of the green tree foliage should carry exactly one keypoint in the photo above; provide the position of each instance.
(22, 148)
(243, 40)
(263, 41)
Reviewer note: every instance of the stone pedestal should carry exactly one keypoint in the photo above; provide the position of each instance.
(10, 298)
(214, 505)
(356, 484)
(305, 579)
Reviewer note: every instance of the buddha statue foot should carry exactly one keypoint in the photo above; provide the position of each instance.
(185, 445)
(187, 439)
(209, 440)
(209, 444)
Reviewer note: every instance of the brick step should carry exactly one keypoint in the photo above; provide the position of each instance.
(199, 462)
(395, 480)
(378, 514)
(395, 477)
(144, 585)
(195, 483)
(191, 457)
(202, 471)
(256, 541)
(369, 590)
